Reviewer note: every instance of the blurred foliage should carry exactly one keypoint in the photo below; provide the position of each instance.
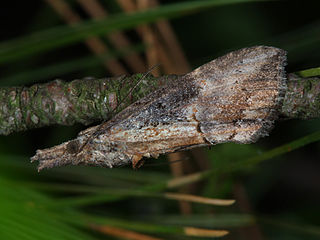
(283, 191)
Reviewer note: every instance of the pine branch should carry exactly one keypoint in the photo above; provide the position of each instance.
(302, 98)
(66, 103)
(91, 100)
(235, 98)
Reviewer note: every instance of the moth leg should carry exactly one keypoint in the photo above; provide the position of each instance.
(137, 161)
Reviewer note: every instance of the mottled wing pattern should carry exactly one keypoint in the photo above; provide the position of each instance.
(158, 123)
(241, 93)
(234, 98)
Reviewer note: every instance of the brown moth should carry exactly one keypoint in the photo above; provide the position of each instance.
(234, 98)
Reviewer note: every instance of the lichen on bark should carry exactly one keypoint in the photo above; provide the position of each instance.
(65, 103)
(302, 98)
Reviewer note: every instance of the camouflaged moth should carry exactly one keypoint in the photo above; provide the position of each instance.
(234, 98)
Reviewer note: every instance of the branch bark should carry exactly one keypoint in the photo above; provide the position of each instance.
(235, 98)
(91, 100)
(83, 101)
(302, 98)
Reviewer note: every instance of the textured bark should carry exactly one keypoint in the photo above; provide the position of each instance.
(65, 103)
(302, 99)
(235, 98)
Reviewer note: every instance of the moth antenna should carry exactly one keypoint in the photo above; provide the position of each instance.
(140, 80)
(118, 105)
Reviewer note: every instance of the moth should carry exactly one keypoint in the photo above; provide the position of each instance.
(234, 98)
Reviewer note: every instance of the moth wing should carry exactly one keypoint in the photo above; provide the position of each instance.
(241, 93)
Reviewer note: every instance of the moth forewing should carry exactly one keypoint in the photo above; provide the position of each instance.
(241, 94)
(234, 98)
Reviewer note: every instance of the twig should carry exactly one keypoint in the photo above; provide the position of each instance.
(166, 62)
(118, 39)
(173, 47)
(80, 101)
(302, 99)
(95, 44)
(233, 98)
(122, 233)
